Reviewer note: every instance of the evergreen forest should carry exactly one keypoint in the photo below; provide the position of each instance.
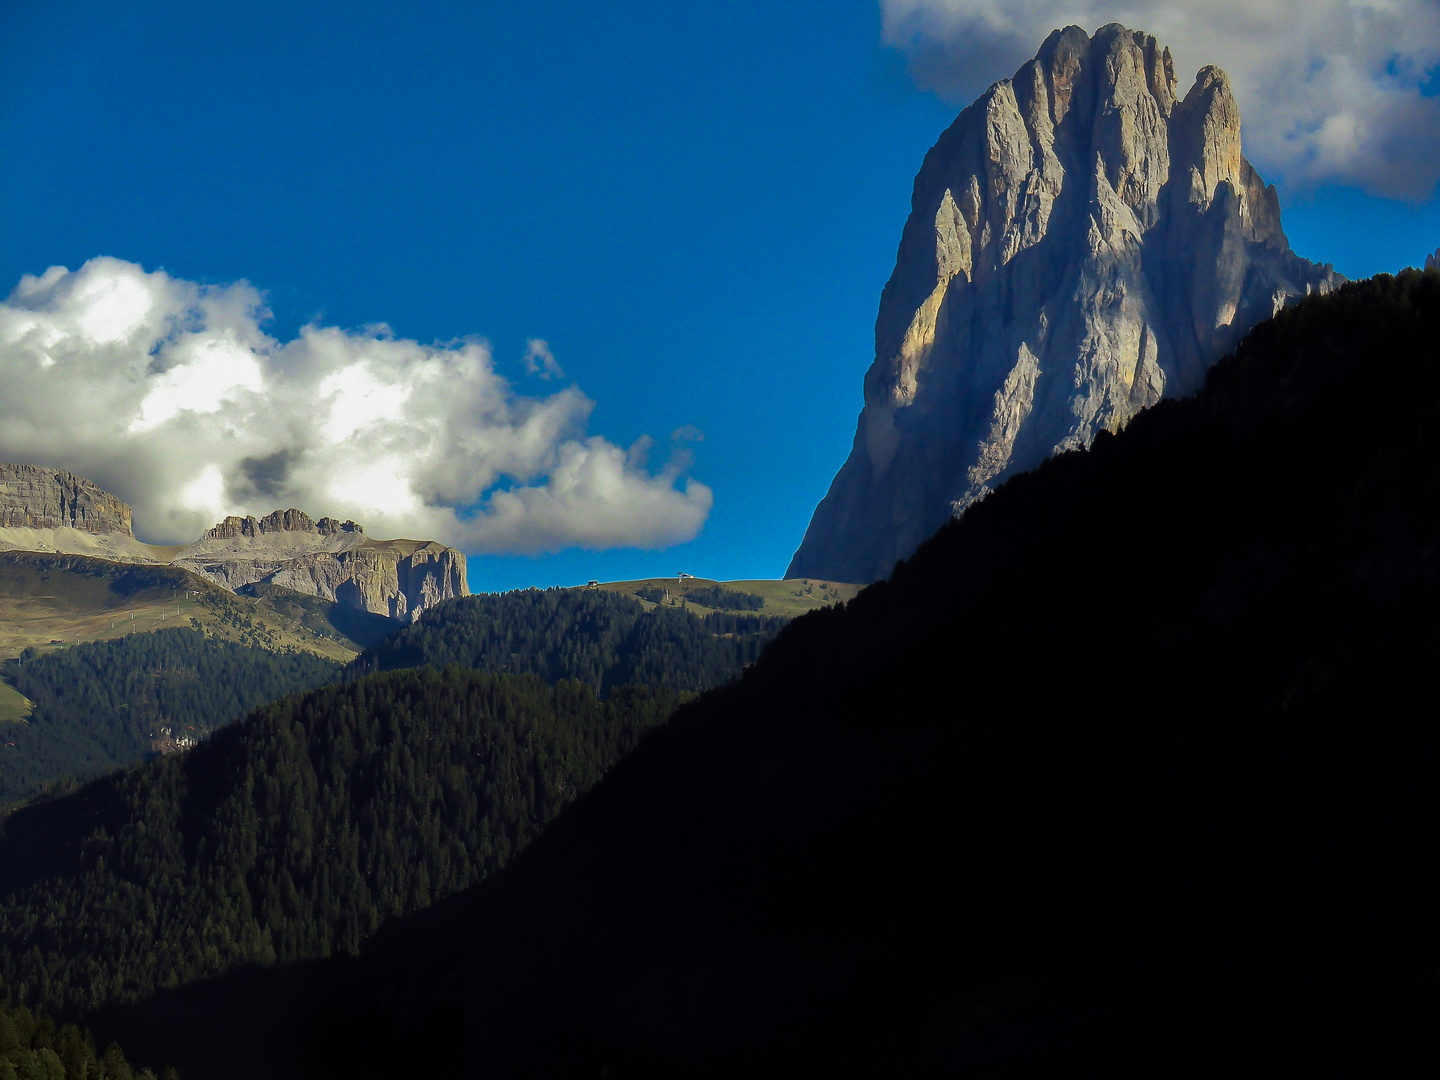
(105, 704)
(718, 596)
(604, 639)
(298, 832)
(33, 1048)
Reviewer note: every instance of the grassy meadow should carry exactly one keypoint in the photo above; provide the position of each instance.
(49, 601)
(788, 598)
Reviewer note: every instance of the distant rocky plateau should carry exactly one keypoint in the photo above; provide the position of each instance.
(1082, 242)
(45, 509)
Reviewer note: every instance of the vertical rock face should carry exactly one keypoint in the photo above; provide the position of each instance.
(331, 559)
(32, 497)
(399, 578)
(1081, 243)
(1432, 262)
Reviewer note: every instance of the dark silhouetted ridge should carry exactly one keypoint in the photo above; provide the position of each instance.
(1132, 770)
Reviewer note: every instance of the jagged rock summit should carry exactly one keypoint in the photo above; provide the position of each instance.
(1432, 262)
(278, 522)
(1082, 242)
(43, 509)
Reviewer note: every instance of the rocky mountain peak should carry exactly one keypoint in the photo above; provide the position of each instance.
(1081, 242)
(1432, 262)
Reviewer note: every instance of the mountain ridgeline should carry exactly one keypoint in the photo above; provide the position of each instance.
(602, 638)
(1130, 768)
(1083, 241)
(105, 704)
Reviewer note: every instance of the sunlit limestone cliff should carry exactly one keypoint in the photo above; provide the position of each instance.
(52, 510)
(330, 559)
(1082, 242)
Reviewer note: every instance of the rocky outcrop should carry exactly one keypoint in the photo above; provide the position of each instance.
(1082, 242)
(331, 559)
(33, 497)
(397, 578)
(386, 581)
(1432, 262)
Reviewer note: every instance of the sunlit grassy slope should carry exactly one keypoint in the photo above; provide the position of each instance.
(13, 704)
(56, 600)
(787, 598)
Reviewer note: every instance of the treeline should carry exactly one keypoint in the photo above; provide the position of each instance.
(602, 638)
(297, 832)
(108, 703)
(711, 596)
(34, 1048)
(717, 596)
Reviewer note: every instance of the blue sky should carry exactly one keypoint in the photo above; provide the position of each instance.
(695, 209)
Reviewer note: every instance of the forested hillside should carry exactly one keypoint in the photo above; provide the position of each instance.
(108, 703)
(297, 832)
(601, 638)
(103, 704)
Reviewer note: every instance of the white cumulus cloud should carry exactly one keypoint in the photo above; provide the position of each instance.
(171, 394)
(1329, 90)
(539, 360)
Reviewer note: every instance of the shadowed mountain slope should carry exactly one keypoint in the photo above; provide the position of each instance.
(1131, 769)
